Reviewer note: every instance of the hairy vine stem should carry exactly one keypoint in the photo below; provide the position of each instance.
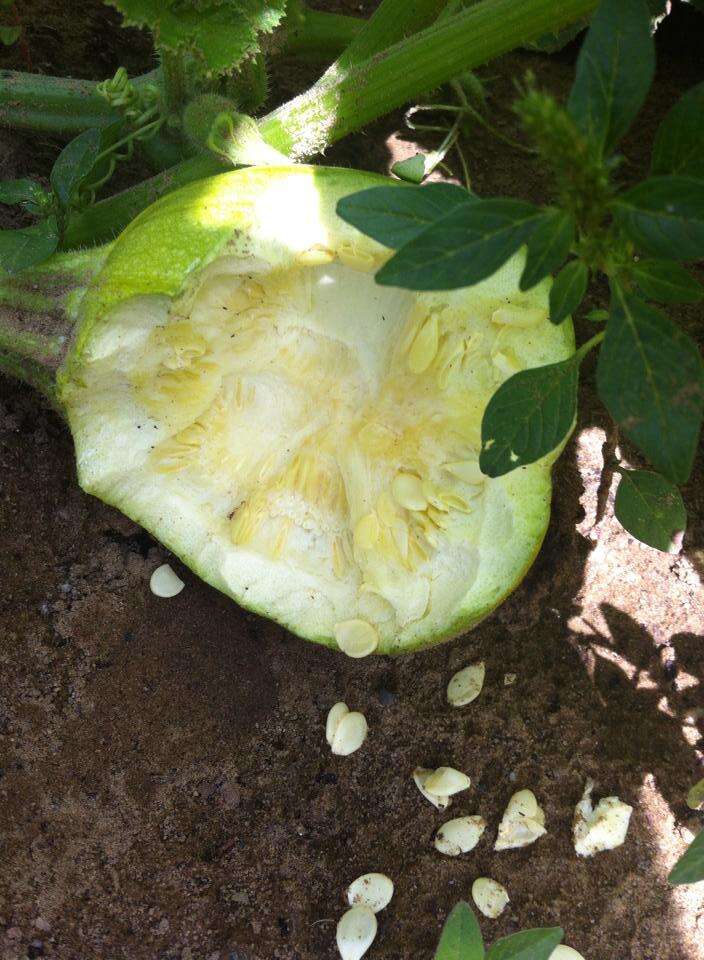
(346, 99)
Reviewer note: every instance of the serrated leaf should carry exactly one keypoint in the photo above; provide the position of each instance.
(548, 247)
(465, 246)
(666, 281)
(20, 191)
(650, 376)
(651, 509)
(9, 35)
(614, 72)
(222, 34)
(73, 165)
(679, 142)
(393, 216)
(461, 938)
(664, 216)
(528, 416)
(20, 249)
(527, 945)
(690, 867)
(568, 289)
(412, 169)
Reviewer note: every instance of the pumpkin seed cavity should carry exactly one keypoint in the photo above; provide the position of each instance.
(325, 429)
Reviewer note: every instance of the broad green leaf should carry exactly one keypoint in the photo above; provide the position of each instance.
(528, 416)
(568, 289)
(465, 246)
(667, 281)
(412, 170)
(614, 72)
(651, 508)
(548, 247)
(394, 216)
(665, 216)
(461, 938)
(679, 142)
(528, 945)
(24, 248)
(74, 163)
(20, 191)
(650, 376)
(9, 35)
(690, 867)
(221, 33)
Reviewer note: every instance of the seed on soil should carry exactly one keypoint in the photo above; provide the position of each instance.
(563, 952)
(356, 638)
(350, 733)
(603, 827)
(165, 583)
(420, 776)
(695, 797)
(373, 890)
(466, 685)
(355, 932)
(509, 679)
(459, 835)
(446, 781)
(489, 896)
(522, 823)
(335, 714)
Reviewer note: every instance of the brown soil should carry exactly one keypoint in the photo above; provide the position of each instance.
(166, 790)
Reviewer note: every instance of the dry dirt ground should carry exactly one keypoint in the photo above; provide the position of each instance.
(165, 786)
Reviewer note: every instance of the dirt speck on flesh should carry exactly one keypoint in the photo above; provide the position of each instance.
(166, 790)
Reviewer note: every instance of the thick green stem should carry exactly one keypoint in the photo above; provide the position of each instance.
(56, 105)
(38, 309)
(346, 101)
(173, 82)
(391, 21)
(318, 37)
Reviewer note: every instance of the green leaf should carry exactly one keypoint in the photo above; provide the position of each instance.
(667, 281)
(556, 40)
(528, 416)
(20, 191)
(74, 163)
(528, 945)
(690, 867)
(461, 938)
(568, 289)
(465, 246)
(548, 247)
(24, 248)
(614, 72)
(9, 35)
(597, 316)
(665, 216)
(221, 33)
(412, 170)
(393, 216)
(679, 142)
(651, 508)
(650, 376)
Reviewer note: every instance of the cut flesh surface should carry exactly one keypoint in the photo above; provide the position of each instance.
(303, 438)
